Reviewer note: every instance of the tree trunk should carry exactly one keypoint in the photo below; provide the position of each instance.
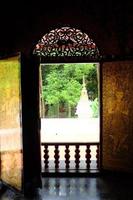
(69, 110)
(58, 110)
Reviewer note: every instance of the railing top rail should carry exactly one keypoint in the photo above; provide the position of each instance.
(69, 143)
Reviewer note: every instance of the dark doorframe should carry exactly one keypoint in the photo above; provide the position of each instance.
(31, 123)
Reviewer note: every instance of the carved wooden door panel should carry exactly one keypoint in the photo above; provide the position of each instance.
(117, 115)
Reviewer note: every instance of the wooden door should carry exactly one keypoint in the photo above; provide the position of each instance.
(20, 165)
(117, 115)
(11, 142)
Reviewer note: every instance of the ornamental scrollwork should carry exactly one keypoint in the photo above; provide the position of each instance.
(66, 42)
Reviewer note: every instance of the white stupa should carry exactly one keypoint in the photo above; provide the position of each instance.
(84, 105)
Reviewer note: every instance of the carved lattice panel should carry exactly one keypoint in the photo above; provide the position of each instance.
(66, 41)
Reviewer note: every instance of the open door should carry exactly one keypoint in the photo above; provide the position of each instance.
(117, 115)
(11, 146)
(20, 165)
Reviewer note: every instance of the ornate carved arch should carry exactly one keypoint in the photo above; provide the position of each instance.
(66, 42)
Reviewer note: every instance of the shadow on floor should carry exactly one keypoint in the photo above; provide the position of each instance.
(89, 188)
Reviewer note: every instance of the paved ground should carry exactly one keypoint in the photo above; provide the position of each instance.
(70, 130)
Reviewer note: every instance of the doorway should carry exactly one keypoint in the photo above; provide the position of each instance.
(69, 99)
(70, 116)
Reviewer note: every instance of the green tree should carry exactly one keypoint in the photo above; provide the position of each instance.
(62, 83)
(71, 94)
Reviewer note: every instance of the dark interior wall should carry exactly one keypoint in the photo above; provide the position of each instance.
(108, 23)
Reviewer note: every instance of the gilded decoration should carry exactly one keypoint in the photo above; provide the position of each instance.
(10, 122)
(117, 114)
(11, 166)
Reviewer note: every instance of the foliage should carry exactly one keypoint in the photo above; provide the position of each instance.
(62, 83)
(71, 92)
(95, 108)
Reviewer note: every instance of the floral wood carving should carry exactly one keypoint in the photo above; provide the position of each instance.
(66, 42)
